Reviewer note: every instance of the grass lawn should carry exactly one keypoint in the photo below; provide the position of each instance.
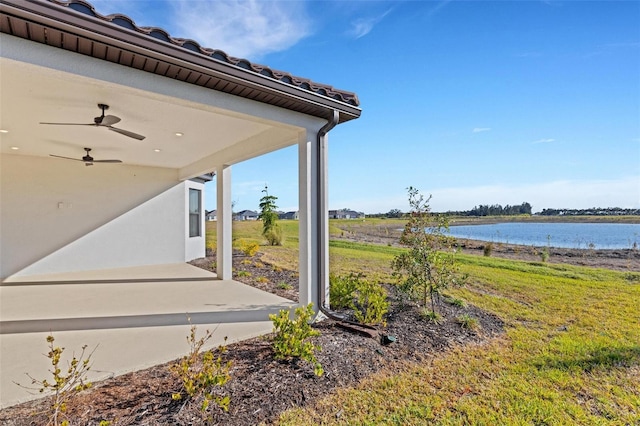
(570, 354)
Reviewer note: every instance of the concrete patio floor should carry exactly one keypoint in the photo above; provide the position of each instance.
(137, 317)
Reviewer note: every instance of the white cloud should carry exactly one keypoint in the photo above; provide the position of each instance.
(481, 129)
(543, 141)
(363, 26)
(242, 28)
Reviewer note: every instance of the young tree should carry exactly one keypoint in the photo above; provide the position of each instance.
(268, 216)
(428, 266)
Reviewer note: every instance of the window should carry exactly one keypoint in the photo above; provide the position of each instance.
(194, 212)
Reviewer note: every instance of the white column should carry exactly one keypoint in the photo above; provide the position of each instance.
(224, 250)
(314, 231)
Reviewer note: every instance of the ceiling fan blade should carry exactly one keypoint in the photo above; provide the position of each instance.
(69, 124)
(66, 158)
(127, 133)
(109, 120)
(107, 161)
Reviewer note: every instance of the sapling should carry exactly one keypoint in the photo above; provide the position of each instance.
(270, 229)
(64, 386)
(428, 266)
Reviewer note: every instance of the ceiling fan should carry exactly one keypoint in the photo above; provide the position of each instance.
(104, 121)
(88, 159)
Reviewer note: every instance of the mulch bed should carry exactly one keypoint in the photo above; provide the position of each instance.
(262, 387)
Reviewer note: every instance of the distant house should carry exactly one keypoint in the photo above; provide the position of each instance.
(289, 216)
(246, 215)
(210, 215)
(345, 214)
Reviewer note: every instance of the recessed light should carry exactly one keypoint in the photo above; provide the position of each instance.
(15, 148)
(4, 131)
(157, 150)
(178, 134)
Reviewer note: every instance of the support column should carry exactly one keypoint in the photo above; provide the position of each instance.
(313, 220)
(224, 251)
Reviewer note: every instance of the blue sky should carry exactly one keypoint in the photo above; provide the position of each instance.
(473, 102)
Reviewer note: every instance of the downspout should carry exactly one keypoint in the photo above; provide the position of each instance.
(321, 141)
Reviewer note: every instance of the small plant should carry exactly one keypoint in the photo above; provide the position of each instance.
(63, 386)
(468, 322)
(342, 289)
(249, 248)
(487, 250)
(430, 316)
(292, 337)
(283, 285)
(455, 301)
(199, 373)
(276, 268)
(258, 264)
(370, 305)
(246, 262)
(544, 254)
(262, 280)
(244, 274)
(213, 265)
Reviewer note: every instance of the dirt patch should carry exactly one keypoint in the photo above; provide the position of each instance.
(262, 387)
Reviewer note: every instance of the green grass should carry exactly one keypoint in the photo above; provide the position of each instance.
(570, 354)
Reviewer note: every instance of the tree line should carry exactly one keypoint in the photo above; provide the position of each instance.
(594, 211)
(495, 210)
(523, 209)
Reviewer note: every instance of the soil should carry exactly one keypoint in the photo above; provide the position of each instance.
(262, 387)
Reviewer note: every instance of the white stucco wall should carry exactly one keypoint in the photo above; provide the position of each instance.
(58, 216)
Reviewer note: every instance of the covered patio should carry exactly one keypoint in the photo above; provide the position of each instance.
(136, 316)
(96, 254)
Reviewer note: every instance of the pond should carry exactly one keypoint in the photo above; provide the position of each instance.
(565, 235)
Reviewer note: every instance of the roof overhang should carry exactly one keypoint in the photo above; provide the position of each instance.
(75, 26)
(57, 64)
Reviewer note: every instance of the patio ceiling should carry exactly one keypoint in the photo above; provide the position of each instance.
(84, 58)
(33, 94)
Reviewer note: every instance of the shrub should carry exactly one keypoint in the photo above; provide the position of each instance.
(342, 290)
(274, 236)
(291, 340)
(488, 249)
(262, 280)
(371, 303)
(244, 274)
(200, 373)
(63, 386)
(249, 248)
(368, 299)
